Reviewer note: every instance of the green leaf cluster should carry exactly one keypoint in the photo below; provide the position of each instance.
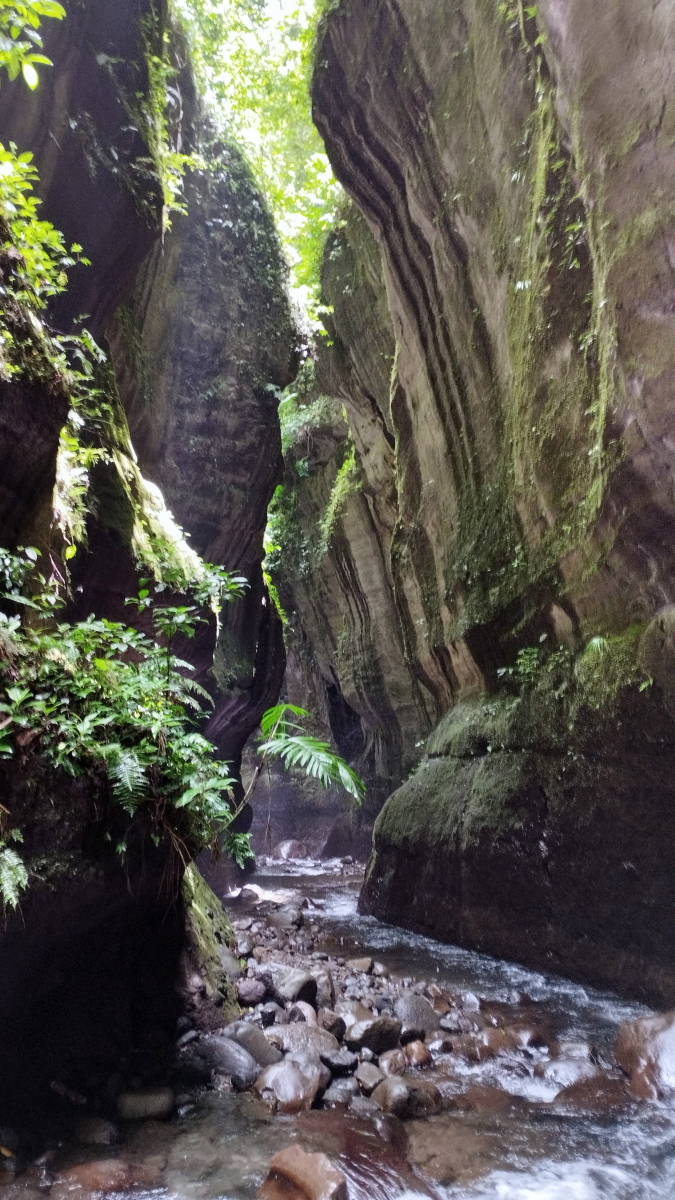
(20, 42)
(286, 740)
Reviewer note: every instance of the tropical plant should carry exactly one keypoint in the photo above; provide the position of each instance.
(286, 740)
(20, 42)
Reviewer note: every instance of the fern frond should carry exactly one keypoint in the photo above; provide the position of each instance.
(277, 716)
(127, 777)
(13, 876)
(316, 759)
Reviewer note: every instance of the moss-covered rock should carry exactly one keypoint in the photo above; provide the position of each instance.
(209, 933)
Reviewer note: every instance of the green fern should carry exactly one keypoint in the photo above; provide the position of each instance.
(13, 876)
(127, 777)
(287, 742)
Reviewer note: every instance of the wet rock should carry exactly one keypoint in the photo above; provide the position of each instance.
(292, 983)
(417, 1054)
(341, 1092)
(332, 1022)
(325, 987)
(566, 1071)
(230, 963)
(362, 1106)
(412, 1033)
(244, 947)
(287, 1088)
(424, 1097)
(311, 1066)
(380, 971)
(645, 1050)
(139, 1106)
(96, 1131)
(368, 1077)
(340, 1062)
(285, 919)
(392, 1095)
(352, 1011)
(363, 965)
(290, 849)
(291, 1038)
(393, 1062)
(301, 1011)
(254, 1041)
(378, 1034)
(441, 1045)
(271, 1012)
(251, 992)
(604, 1095)
(106, 1175)
(296, 1175)
(229, 1058)
(414, 1010)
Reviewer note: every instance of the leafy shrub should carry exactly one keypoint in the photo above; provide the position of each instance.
(20, 42)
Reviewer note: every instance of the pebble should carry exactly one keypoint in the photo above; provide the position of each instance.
(296, 1175)
(368, 1077)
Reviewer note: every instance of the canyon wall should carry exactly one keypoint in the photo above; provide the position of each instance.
(501, 560)
(194, 323)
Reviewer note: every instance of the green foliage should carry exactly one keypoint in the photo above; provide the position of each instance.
(286, 740)
(20, 42)
(101, 698)
(253, 59)
(13, 874)
(347, 481)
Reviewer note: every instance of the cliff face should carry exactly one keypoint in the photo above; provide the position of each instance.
(506, 370)
(196, 330)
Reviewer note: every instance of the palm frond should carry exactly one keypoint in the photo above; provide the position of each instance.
(316, 759)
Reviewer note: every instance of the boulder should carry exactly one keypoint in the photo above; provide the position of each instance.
(393, 1062)
(301, 1011)
(351, 1011)
(602, 1096)
(290, 849)
(251, 992)
(378, 1034)
(291, 1038)
(417, 1054)
(332, 1022)
(287, 1088)
(341, 1092)
(254, 1041)
(392, 1095)
(414, 1010)
(292, 983)
(645, 1050)
(364, 965)
(325, 987)
(424, 1097)
(141, 1106)
(368, 1077)
(296, 1175)
(340, 1062)
(229, 1058)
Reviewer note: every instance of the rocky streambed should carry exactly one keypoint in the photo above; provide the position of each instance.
(371, 1064)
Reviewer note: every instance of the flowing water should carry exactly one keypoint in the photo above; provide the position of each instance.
(219, 1145)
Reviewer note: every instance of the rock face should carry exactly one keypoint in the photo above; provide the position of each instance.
(502, 345)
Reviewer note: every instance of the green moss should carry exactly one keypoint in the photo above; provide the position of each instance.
(209, 930)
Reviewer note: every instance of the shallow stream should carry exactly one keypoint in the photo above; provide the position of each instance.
(219, 1146)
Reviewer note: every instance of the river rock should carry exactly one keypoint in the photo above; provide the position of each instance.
(341, 1092)
(287, 1088)
(325, 987)
(251, 992)
(141, 1106)
(364, 965)
(392, 1095)
(393, 1062)
(290, 849)
(254, 1041)
(311, 1066)
(378, 1034)
(272, 1012)
(296, 1175)
(645, 1050)
(340, 1062)
(482, 1098)
(368, 1077)
(352, 1011)
(310, 1038)
(229, 1058)
(301, 1011)
(230, 963)
(424, 1097)
(332, 1022)
(292, 983)
(417, 1054)
(285, 919)
(414, 1010)
(566, 1071)
(380, 971)
(96, 1131)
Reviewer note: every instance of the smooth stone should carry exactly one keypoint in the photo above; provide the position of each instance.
(244, 947)
(292, 983)
(229, 1058)
(380, 971)
(96, 1131)
(411, 1033)
(417, 1054)
(340, 1062)
(482, 1098)
(311, 1038)
(352, 1011)
(341, 1092)
(296, 1175)
(325, 987)
(254, 1041)
(392, 1095)
(251, 992)
(287, 1087)
(378, 1034)
(362, 965)
(362, 1106)
(285, 919)
(301, 1011)
(414, 1010)
(332, 1022)
(565, 1071)
(425, 1099)
(393, 1062)
(291, 848)
(311, 1066)
(605, 1095)
(368, 1077)
(140, 1106)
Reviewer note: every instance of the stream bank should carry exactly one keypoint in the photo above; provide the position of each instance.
(511, 1092)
